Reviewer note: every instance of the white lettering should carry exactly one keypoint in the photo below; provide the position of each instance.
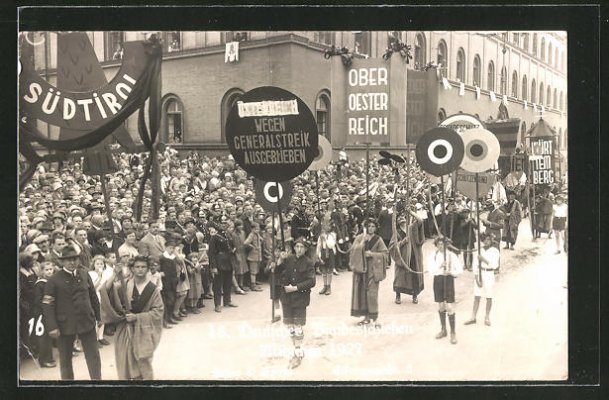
(69, 108)
(120, 88)
(111, 102)
(85, 105)
(35, 91)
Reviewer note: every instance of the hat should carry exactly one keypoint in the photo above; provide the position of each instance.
(302, 241)
(37, 220)
(46, 226)
(59, 216)
(188, 199)
(32, 248)
(68, 252)
(56, 185)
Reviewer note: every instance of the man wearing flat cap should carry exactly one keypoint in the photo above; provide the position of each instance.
(296, 277)
(70, 307)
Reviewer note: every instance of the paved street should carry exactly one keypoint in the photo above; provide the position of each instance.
(527, 339)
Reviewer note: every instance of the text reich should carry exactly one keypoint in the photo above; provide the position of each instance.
(374, 126)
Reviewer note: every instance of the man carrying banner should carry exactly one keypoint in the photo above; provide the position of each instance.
(296, 275)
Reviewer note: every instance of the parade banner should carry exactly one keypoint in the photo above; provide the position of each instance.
(542, 160)
(270, 194)
(271, 134)
(466, 183)
(82, 110)
(461, 122)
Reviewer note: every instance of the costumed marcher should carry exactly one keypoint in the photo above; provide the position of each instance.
(296, 275)
(45, 344)
(489, 259)
(27, 282)
(368, 259)
(409, 262)
(513, 216)
(70, 307)
(445, 273)
(559, 223)
(543, 213)
(326, 253)
(221, 248)
(138, 335)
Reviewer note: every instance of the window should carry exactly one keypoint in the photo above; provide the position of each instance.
(322, 113)
(550, 54)
(561, 104)
(504, 80)
(555, 99)
(523, 132)
(525, 41)
(549, 97)
(543, 49)
(533, 91)
(228, 101)
(441, 59)
(173, 113)
(514, 84)
(525, 88)
(556, 60)
(516, 38)
(535, 44)
(476, 72)
(490, 80)
(441, 115)
(363, 43)
(324, 37)
(461, 65)
(234, 36)
(541, 93)
(172, 41)
(113, 45)
(420, 59)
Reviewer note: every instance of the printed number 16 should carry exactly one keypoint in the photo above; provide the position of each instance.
(39, 326)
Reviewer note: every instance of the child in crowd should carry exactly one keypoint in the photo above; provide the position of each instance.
(99, 275)
(45, 343)
(155, 275)
(206, 279)
(193, 266)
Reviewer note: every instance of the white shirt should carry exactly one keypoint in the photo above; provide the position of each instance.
(560, 210)
(452, 261)
(491, 255)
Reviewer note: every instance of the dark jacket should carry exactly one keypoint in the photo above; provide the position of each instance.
(221, 249)
(168, 266)
(299, 272)
(70, 303)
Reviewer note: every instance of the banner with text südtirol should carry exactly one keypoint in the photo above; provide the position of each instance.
(367, 101)
(542, 160)
(272, 134)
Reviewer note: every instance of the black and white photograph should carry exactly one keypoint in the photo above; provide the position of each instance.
(273, 205)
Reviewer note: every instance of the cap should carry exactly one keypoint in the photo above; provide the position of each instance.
(68, 252)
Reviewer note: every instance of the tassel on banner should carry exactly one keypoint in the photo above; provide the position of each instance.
(493, 97)
(477, 92)
(445, 83)
(525, 105)
(462, 89)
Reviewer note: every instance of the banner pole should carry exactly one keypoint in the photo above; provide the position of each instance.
(479, 276)
(274, 259)
(367, 214)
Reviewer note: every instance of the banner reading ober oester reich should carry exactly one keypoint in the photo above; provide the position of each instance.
(367, 101)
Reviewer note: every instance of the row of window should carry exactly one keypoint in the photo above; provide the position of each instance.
(551, 99)
(554, 56)
(173, 112)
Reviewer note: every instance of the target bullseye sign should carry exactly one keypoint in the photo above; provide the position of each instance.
(270, 194)
(440, 151)
(324, 155)
(481, 150)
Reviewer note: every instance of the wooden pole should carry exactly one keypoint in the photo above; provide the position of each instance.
(479, 277)
(102, 178)
(367, 213)
(443, 233)
(274, 259)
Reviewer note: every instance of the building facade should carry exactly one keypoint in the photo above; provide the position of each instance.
(475, 72)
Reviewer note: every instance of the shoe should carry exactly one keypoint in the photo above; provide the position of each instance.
(328, 291)
(51, 364)
(557, 252)
(244, 288)
(365, 321)
(196, 311)
(487, 322)
(453, 338)
(398, 300)
(295, 361)
(166, 325)
(323, 291)
(208, 296)
(335, 272)
(441, 335)
(415, 300)
(470, 322)
(104, 342)
(183, 314)
(177, 318)
(239, 291)
(171, 321)
(506, 248)
(255, 289)
(231, 305)
(217, 309)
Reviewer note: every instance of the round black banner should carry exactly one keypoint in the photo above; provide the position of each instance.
(440, 151)
(268, 194)
(272, 134)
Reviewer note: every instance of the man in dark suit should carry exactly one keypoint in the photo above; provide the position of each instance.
(221, 247)
(296, 276)
(70, 307)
